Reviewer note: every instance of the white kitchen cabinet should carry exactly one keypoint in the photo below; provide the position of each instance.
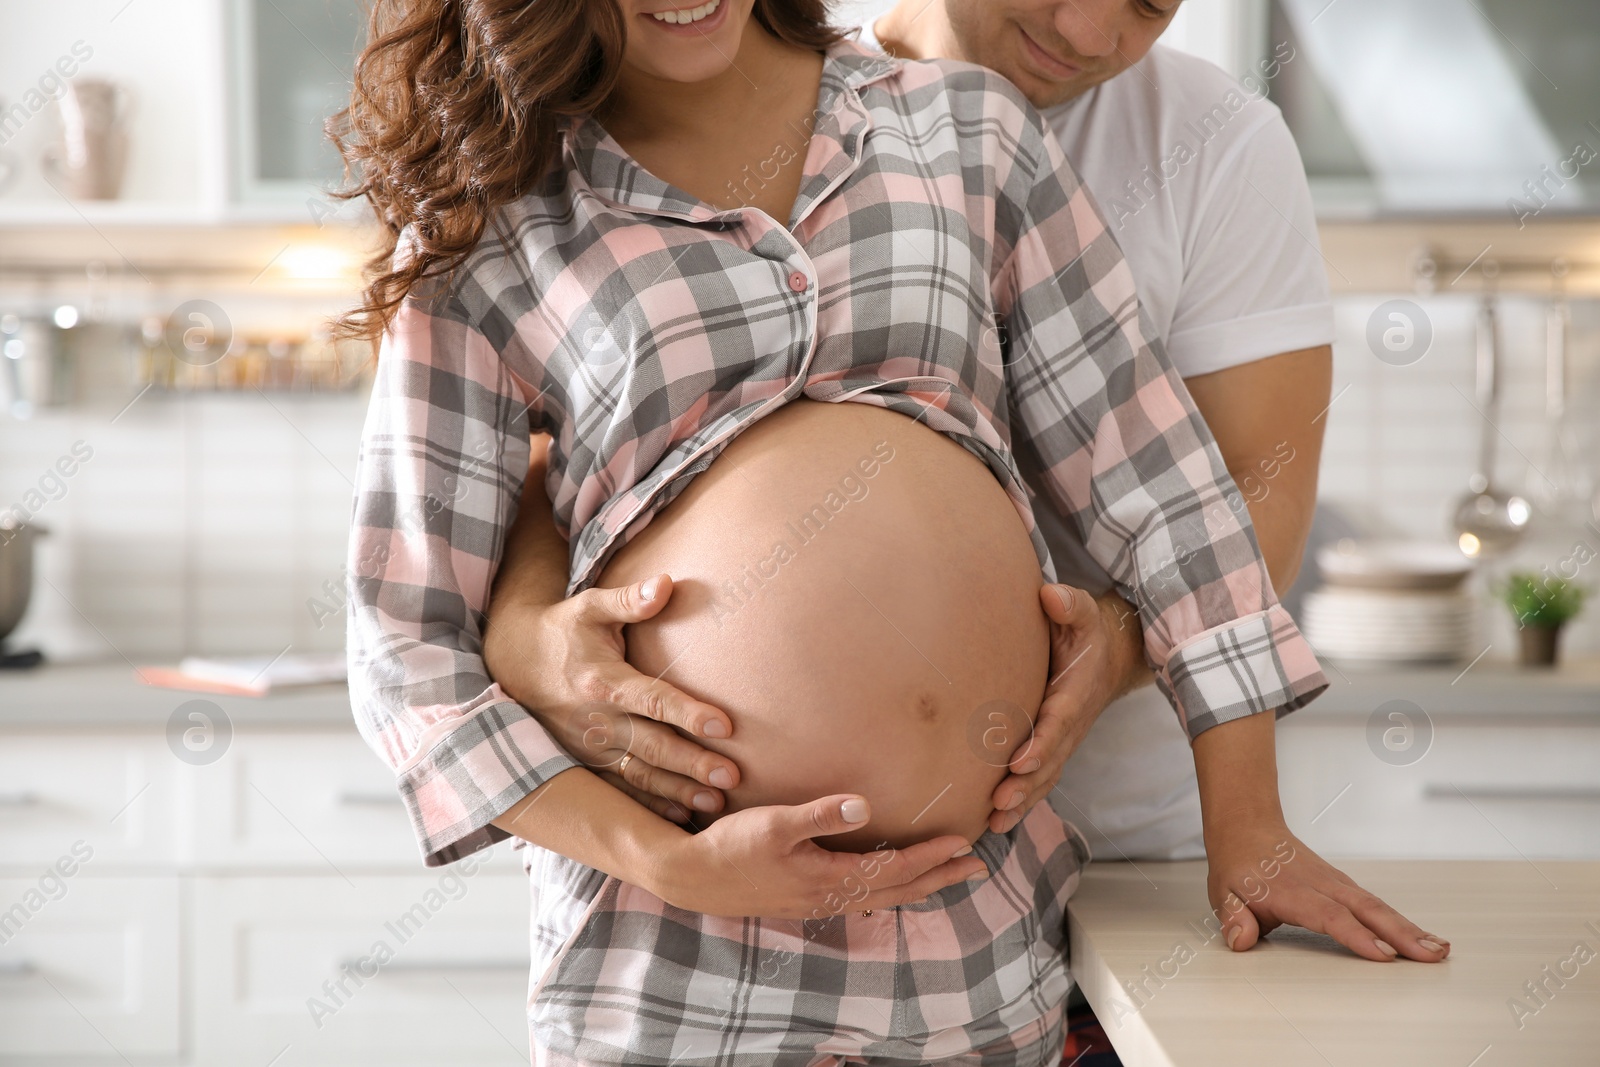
(118, 794)
(226, 97)
(290, 69)
(90, 974)
(1508, 787)
(199, 922)
(414, 969)
(321, 801)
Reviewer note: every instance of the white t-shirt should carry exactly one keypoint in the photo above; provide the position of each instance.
(1201, 182)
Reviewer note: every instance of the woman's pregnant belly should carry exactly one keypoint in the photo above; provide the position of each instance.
(859, 594)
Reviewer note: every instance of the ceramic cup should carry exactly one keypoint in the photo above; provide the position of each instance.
(89, 160)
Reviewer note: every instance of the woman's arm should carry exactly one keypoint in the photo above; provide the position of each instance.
(1126, 458)
(443, 454)
(1267, 416)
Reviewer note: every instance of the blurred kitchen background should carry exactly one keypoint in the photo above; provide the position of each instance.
(178, 437)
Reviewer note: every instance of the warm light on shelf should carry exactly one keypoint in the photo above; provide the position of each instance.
(314, 263)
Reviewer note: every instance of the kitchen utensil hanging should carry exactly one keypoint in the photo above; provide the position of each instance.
(1558, 485)
(1489, 522)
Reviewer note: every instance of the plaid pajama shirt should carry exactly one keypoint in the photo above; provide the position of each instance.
(942, 261)
(975, 975)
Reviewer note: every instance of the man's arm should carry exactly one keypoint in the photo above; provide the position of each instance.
(1268, 417)
(535, 566)
(564, 660)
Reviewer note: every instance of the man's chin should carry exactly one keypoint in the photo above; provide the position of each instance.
(1044, 94)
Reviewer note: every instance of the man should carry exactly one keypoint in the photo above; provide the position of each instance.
(1203, 187)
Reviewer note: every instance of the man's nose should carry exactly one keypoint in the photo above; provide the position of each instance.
(1091, 27)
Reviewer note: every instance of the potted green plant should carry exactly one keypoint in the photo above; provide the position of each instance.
(1541, 605)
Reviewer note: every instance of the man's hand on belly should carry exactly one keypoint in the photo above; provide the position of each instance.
(1096, 655)
(565, 663)
(563, 660)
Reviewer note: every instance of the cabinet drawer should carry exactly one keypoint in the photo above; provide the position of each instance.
(89, 967)
(120, 795)
(315, 801)
(423, 969)
(1500, 790)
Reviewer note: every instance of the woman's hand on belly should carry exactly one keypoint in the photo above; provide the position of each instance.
(765, 862)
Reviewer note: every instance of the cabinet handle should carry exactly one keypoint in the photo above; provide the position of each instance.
(1510, 792)
(440, 966)
(353, 799)
(26, 799)
(17, 968)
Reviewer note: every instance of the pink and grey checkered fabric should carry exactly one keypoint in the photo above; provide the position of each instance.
(942, 261)
(975, 975)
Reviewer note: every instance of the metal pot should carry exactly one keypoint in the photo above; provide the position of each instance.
(16, 573)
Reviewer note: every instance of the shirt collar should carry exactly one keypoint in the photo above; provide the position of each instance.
(840, 128)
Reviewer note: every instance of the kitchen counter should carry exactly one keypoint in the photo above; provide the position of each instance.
(1484, 688)
(1170, 994)
(108, 694)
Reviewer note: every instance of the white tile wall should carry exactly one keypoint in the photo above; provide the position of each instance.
(1402, 441)
(205, 524)
(202, 524)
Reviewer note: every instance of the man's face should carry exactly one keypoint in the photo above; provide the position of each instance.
(1054, 50)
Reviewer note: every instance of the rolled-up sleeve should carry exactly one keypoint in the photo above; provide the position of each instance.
(1128, 461)
(444, 453)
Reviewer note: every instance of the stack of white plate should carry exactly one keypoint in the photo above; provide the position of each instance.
(1390, 602)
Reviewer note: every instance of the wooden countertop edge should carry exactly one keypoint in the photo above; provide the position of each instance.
(1135, 1043)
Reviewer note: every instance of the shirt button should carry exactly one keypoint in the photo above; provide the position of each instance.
(799, 282)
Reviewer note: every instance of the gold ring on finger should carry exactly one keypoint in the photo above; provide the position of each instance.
(622, 764)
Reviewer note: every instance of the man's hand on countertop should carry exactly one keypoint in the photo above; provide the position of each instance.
(1261, 876)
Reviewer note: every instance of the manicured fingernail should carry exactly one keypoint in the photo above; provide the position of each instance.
(1430, 944)
(704, 802)
(854, 810)
(714, 728)
(964, 850)
(1233, 935)
(1015, 799)
(650, 588)
(721, 778)
(1435, 938)
(979, 876)
(1029, 767)
(1386, 948)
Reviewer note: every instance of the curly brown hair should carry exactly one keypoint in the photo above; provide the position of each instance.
(456, 110)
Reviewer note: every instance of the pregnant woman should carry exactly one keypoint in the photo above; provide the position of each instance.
(819, 371)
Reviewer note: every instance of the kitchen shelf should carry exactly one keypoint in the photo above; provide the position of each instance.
(41, 214)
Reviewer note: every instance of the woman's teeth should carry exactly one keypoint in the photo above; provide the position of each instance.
(694, 14)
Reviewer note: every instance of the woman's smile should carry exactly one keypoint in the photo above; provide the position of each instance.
(699, 19)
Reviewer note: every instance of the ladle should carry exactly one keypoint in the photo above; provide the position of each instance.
(1489, 522)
